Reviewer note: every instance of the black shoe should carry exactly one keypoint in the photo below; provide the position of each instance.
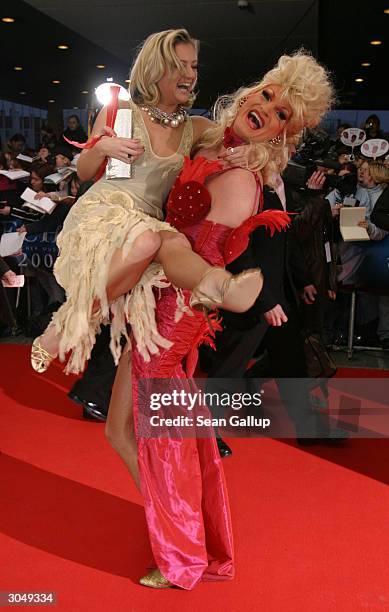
(224, 449)
(91, 410)
(385, 344)
(337, 437)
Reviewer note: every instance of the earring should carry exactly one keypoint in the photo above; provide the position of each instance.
(276, 141)
(242, 101)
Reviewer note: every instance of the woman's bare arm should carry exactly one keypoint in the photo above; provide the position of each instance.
(109, 146)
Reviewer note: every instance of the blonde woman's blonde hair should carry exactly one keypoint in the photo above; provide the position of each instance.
(156, 55)
(308, 90)
(379, 172)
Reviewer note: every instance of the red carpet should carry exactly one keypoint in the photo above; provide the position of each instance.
(311, 528)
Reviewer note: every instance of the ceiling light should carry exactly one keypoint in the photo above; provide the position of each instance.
(386, 11)
(51, 101)
(100, 66)
(18, 68)
(63, 47)
(85, 91)
(375, 43)
(56, 82)
(359, 80)
(365, 64)
(22, 93)
(8, 19)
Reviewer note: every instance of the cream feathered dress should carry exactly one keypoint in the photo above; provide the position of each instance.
(111, 215)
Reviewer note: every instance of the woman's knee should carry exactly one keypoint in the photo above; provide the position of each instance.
(174, 240)
(146, 245)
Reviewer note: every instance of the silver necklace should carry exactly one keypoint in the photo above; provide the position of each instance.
(165, 119)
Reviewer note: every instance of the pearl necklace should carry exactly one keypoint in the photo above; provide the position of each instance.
(166, 119)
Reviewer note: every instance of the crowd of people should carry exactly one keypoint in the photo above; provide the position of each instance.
(143, 261)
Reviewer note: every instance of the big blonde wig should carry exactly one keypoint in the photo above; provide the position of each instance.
(156, 55)
(307, 88)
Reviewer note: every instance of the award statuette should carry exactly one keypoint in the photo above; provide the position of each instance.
(117, 169)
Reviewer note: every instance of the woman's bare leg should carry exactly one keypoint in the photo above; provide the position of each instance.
(182, 266)
(219, 289)
(119, 428)
(123, 275)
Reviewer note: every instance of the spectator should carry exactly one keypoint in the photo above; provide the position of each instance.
(15, 207)
(372, 127)
(5, 183)
(355, 255)
(74, 130)
(48, 138)
(16, 144)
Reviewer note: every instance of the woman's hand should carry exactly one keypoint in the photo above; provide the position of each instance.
(335, 210)
(40, 195)
(5, 211)
(21, 229)
(364, 224)
(9, 277)
(331, 294)
(126, 150)
(316, 180)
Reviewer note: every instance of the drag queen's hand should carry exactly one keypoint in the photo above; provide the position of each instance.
(126, 149)
(242, 156)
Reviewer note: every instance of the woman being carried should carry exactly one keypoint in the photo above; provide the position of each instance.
(114, 231)
(178, 470)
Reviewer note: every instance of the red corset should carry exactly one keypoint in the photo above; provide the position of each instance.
(190, 202)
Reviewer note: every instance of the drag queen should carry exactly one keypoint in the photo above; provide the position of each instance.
(180, 477)
(116, 229)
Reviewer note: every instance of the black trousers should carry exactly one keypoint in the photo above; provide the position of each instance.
(285, 349)
(97, 381)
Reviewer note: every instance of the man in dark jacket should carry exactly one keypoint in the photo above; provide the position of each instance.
(273, 324)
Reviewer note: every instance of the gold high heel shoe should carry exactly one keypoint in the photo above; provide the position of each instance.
(236, 293)
(40, 358)
(155, 580)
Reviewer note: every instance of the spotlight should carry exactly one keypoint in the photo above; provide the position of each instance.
(8, 19)
(103, 93)
(62, 47)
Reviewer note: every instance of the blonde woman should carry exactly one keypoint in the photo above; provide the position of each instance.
(116, 230)
(179, 471)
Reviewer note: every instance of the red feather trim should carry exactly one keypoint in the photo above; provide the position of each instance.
(238, 240)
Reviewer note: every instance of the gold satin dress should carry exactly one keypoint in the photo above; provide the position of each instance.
(110, 216)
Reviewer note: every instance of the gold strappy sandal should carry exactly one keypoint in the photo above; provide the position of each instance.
(155, 580)
(236, 293)
(40, 358)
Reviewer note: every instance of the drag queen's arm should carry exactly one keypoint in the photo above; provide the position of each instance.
(233, 197)
(109, 146)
